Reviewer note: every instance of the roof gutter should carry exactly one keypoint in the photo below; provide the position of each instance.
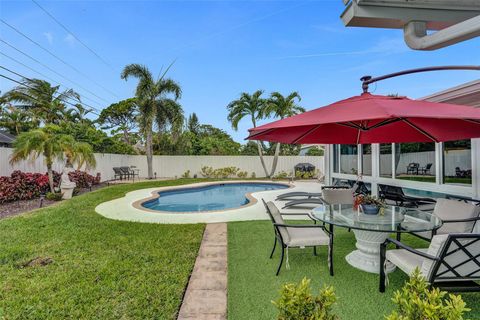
(416, 37)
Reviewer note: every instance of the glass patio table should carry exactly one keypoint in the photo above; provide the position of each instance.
(372, 230)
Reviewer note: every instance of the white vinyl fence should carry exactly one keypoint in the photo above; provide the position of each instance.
(165, 166)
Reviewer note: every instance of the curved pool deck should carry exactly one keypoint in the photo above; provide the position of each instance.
(127, 208)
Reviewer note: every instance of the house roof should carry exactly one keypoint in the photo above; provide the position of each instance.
(6, 137)
(467, 94)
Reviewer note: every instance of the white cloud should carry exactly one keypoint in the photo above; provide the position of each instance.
(70, 39)
(384, 46)
(49, 37)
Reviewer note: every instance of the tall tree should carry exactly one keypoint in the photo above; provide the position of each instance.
(282, 107)
(121, 117)
(53, 145)
(151, 98)
(44, 101)
(252, 106)
(193, 123)
(16, 120)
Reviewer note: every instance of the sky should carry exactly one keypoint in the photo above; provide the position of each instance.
(218, 50)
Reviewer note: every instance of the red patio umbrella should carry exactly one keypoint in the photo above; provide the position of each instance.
(374, 119)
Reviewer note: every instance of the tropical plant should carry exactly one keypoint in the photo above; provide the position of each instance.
(417, 300)
(120, 116)
(281, 107)
(296, 302)
(44, 101)
(53, 146)
(252, 106)
(193, 123)
(153, 103)
(16, 120)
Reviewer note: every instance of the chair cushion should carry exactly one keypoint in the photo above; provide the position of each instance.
(448, 209)
(405, 260)
(338, 196)
(436, 245)
(304, 237)
(277, 217)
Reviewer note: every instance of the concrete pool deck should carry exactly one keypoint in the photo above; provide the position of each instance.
(124, 209)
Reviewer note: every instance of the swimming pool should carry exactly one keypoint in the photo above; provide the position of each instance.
(208, 198)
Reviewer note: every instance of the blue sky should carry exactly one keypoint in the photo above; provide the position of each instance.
(221, 48)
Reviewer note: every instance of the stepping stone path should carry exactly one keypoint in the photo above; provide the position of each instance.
(206, 295)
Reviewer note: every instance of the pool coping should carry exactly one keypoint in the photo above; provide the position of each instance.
(251, 199)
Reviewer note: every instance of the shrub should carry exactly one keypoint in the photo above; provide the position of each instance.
(296, 302)
(416, 300)
(282, 175)
(186, 174)
(57, 196)
(253, 175)
(206, 172)
(242, 174)
(83, 179)
(25, 186)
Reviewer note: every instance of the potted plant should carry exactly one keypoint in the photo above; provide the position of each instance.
(369, 204)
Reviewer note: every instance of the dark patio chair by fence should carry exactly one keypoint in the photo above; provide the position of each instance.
(412, 168)
(134, 172)
(427, 169)
(118, 173)
(298, 235)
(451, 262)
(126, 172)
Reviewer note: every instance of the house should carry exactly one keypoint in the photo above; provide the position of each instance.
(6, 139)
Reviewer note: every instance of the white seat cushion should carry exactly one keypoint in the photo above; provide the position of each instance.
(448, 209)
(405, 260)
(436, 245)
(304, 237)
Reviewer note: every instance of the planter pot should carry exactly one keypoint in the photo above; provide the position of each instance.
(67, 193)
(370, 209)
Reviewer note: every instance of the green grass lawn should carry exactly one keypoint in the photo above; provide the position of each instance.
(101, 269)
(252, 283)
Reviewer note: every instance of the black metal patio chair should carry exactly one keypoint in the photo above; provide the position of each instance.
(451, 262)
(298, 235)
(118, 173)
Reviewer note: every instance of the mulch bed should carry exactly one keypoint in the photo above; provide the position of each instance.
(18, 207)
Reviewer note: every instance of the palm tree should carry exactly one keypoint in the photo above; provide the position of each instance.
(45, 102)
(53, 145)
(78, 114)
(16, 120)
(152, 99)
(252, 106)
(282, 107)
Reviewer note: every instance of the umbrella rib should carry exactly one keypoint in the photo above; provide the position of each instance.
(346, 124)
(259, 133)
(420, 130)
(305, 134)
(472, 120)
(384, 123)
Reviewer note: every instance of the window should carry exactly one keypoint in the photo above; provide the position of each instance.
(415, 161)
(385, 161)
(349, 158)
(457, 162)
(367, 159)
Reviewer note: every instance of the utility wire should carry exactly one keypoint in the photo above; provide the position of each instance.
(43, 75)
(57, 57)
(52, 70)
(73, 35)
(25, 85)
(22, 76)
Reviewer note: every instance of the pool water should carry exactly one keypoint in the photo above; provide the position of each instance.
(213, 197)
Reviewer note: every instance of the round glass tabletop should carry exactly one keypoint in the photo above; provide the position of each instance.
(393, 219)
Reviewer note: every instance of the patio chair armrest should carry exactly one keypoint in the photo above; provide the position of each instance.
(336, 187)
(460, 220)
(410, 249)
(298, 225)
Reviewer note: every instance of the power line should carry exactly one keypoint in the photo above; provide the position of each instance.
(57, 57)
(25, 85)
(52, 70)
(22, 76)
(46, 77)
(70, 32)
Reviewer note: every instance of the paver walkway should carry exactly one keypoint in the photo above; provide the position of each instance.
(206, 295)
